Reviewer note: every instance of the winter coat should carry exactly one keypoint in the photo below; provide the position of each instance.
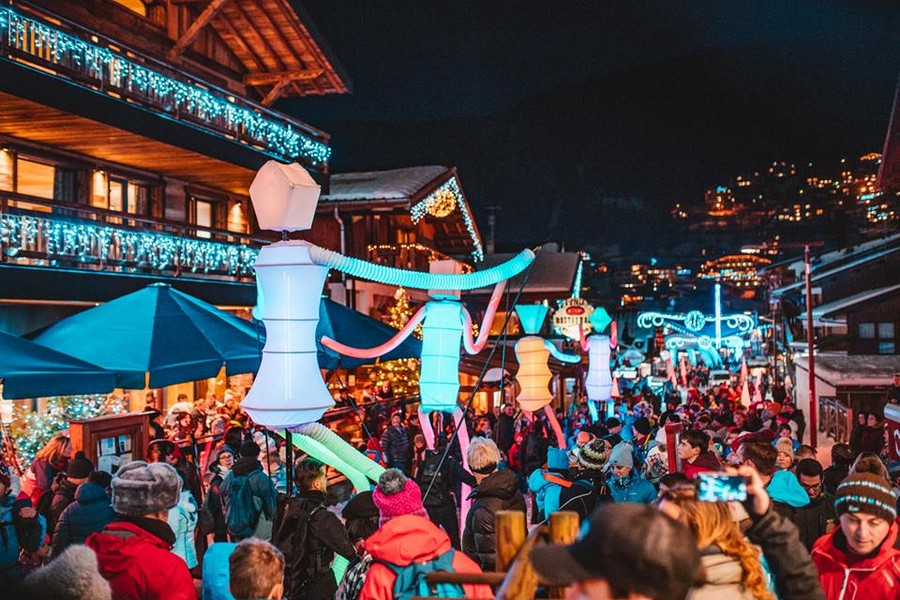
(62, 497)
(533, 453)
(135, 557)
(90, 512)
(722, 578)
(845, 578)
(872, 440)
(71, 575)
(309, 549)
(216, 573)
(498, 491)
(633, 488)
(45, 473)
(183, 521)
(213, 510)
(705, 462)
(788, 562)
(263, 490)
(504, 432)
(812, 519)
(397, 448)
(834, 475)
(17, 533)
(410, 539)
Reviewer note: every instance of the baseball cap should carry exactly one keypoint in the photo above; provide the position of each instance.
(638, 548)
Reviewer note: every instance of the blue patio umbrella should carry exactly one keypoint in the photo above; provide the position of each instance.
(353, 328)
(156, 337)
(29, 370)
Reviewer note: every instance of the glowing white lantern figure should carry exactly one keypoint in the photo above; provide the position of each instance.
(533, 353)
(598, 382)
(288, 390)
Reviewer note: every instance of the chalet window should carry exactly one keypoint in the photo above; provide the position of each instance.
(119, 194)
(34, 178)
(867, 331)
(886, 348)
(203, 216)
(886, 331)
(208, 213)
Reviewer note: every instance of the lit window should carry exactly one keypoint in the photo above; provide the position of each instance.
(886, 348)
(886, 331)
(867, 331)
(34, 179)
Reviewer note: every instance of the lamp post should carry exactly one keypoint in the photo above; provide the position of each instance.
(810, 344)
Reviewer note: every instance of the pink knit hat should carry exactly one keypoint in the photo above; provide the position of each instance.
(396, 495)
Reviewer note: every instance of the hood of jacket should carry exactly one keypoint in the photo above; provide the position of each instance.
(707, 460)
(785, 488)
(827, 551)
(500, 484)
(122, 542)
(88, 493)
(245, 465)
(720, 569)
(406, 540)
(536, 481)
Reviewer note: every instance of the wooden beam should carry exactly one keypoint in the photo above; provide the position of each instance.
(188, 36)
(277, 76)
(240, 41)
(275, 92)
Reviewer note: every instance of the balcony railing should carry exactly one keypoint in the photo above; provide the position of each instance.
(73, 53)
(91, 239)
(415, 257)
(835, 419)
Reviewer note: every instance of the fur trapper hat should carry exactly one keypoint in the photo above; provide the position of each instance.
(140, 488)
(73, 575)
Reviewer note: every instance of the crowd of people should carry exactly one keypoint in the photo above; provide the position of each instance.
(221, 521)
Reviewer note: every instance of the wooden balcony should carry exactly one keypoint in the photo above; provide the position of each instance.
(414, 257)
(64, 51)
(90, 239)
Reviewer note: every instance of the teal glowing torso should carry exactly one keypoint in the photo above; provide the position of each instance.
(441, 339)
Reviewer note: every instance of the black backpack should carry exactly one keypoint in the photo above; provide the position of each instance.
(302, 558)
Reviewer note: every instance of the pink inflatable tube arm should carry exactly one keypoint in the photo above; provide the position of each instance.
(377, 350)
(476, 346)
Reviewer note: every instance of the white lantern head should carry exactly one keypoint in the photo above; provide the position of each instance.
(284, 197)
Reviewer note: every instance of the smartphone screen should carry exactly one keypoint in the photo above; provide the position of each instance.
(718, 487)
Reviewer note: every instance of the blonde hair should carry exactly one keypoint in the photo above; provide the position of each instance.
(54, 449)
(712, 525)
(255, 568)
(483, 455)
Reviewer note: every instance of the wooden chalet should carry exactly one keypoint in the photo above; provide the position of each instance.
(130, 131)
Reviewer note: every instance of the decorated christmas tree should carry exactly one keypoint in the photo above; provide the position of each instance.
(403, 374)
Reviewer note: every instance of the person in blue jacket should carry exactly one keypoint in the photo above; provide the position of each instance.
(22, 529)
(626, 484)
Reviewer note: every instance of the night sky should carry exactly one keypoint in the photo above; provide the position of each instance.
(548, 108)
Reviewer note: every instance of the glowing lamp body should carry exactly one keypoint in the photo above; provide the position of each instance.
(289, 390)
(534, 373)
(599, 378)
(441, 340)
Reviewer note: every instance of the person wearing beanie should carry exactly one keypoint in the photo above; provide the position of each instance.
(625, 483)
(134, 552)
(361, 520)
(310, 536)
(71, 576)
(863, 554)
(91, 512)
(407, 539)
(249, 514)
(584, 489)
(77, 472)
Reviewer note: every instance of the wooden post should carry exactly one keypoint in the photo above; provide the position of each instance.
(564, 528)
(510, 532)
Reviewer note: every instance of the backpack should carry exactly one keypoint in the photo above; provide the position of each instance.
(242, 512)
(291, 533)
(411, 579)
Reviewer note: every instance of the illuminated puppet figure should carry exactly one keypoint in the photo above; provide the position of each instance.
(533, 352)
(598, 382)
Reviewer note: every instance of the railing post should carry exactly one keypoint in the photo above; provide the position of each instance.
(564, 527)
(510, 533)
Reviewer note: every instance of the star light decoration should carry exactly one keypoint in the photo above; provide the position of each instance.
(437, 204)
(114, 72)
(90, 243)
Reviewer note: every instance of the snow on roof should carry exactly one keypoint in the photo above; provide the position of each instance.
(401, 185)
(838, 368)
(830, 308)
(823, 271)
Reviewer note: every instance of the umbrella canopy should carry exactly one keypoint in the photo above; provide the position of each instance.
(353, 328)
(160, 332)
(29, 370)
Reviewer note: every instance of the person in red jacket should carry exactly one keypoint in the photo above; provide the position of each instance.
(406, 537)
(861, 559)
(134, 552)
(695, 455)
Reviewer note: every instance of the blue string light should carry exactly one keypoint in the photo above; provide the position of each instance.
(450, 188)
(110, 69)
(89, 243)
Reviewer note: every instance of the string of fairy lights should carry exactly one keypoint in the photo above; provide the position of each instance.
(441, 203)
(109, 69)
(52, 241)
